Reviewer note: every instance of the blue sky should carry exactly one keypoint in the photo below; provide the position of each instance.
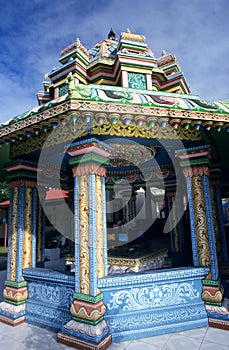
(33, 32)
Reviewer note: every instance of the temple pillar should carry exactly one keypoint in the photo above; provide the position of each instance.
(195, 163)
(21, 249)
(88, 329)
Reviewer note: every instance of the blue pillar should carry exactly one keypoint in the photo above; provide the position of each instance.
(20, 233)
(88, 328)
(210, 225)
(104, 226)
(92, 233)
(192, 222)
(196, 170)
(34, 228)
(9, 233)
(76, 229)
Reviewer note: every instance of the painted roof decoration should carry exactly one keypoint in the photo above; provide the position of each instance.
(116, 75)
(106, 62)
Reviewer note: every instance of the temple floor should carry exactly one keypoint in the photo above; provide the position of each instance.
(28, 336)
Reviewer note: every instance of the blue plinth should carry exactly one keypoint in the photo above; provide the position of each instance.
(50, 295)
(153, 303)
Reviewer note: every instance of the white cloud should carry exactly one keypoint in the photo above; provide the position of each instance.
(14, 98)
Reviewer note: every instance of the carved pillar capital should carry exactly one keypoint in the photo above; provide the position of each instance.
(89, 168)
(23, 182)
(196, 170)
(195, 161)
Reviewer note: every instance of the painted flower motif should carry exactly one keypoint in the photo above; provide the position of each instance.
(150, 297)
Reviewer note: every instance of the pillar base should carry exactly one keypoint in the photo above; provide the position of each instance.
(218, 323)
(12, 321)
(79, 343)
(12, 315)
(87, 329)
(88, 309)
(218, 316)
(15, 292)
(212, 292)
(12, 309)
(89, 332)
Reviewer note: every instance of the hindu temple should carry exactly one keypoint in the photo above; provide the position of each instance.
(115, 222)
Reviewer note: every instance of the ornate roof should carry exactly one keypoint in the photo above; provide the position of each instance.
(118, 75)
(109, 62)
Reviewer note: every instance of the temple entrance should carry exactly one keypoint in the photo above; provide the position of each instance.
(140, 190)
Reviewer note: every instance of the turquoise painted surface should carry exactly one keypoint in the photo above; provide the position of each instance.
(152, 303)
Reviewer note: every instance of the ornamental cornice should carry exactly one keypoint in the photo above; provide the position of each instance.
(174, 275)
(136, 114)
(147, 111)
(43, 275)
(37, 118)
(110, 127)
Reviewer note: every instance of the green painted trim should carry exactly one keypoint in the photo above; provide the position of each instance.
(14, 302)
(90, 157)
(125, 43)
(88, 298)
(212, 303)
(93, 323)
(15, 176)
(211, 283)
(16, 284)
(192, 162)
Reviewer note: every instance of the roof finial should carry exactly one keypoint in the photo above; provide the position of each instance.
(111, 35)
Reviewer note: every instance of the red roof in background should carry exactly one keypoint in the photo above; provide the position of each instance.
(50, 195)
(56, 194)
(4, 204)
